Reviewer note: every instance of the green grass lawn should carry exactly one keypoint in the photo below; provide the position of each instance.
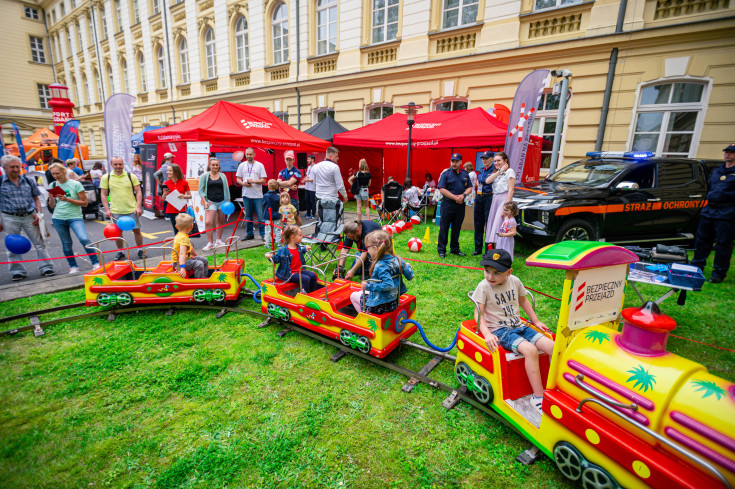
(192, 401)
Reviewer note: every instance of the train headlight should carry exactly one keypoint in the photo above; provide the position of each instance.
(544, 217)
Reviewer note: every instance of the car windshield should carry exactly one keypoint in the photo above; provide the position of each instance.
(589, 173)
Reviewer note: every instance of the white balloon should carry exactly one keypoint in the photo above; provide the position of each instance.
(238, 156)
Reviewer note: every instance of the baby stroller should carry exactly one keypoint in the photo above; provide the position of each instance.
(93, 201)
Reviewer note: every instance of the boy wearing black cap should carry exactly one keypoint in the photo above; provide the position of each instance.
(498, 298)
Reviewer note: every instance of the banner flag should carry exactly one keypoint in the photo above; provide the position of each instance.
(68, 139)
(21, 149)
(522, 115)
(119, 128)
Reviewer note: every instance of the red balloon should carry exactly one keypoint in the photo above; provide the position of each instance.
(112, 231)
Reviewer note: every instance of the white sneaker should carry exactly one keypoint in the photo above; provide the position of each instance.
(208, 247)
(537, 403)
(219, 243)
(73, 270)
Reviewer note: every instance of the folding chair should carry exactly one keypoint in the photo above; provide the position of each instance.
(327, 236)
(415, 210)
(389, 210)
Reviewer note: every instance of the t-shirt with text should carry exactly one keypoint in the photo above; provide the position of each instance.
(501, 302)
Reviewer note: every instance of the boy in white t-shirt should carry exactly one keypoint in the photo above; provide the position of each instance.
(498, 297)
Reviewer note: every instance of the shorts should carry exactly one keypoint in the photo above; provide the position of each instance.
(510, 338)
(133, 215)
(215, 206)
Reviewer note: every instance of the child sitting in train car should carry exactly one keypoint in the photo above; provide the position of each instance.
(183, 254)
(270, 211)
(383, 292)
(498, 298)
(290, 258)
(289, 214)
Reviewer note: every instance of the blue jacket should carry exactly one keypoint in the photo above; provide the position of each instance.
(388, 272)
(282, 258)
(270, 201)
(721, 196)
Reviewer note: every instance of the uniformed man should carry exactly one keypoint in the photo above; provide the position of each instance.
(717, 220)
(454, 185)
(483, 200)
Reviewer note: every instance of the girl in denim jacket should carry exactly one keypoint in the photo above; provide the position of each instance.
(385, 288)
(290, 258)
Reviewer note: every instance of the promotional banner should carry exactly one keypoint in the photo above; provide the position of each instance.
(119, 128)
(197, 156)
(19, 142)
(597, 296)
(68, 140)
(522, 115)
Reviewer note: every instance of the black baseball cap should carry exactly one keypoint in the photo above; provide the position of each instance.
(499, 259)
(730, 148)
(487, 154)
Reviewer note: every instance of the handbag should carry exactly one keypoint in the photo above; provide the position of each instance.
(355, 188)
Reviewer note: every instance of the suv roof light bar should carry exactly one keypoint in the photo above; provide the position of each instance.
(620, 154)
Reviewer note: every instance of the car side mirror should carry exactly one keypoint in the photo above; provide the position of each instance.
(627, 186)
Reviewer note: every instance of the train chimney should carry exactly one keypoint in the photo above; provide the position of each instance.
(645, 330)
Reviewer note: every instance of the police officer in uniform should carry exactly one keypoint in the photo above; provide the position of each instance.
(717, 219)
(483, 200)
(454, 185)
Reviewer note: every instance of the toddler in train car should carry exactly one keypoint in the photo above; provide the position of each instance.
(498, 297)
(386, 287)
(290, 258)
(183, 255)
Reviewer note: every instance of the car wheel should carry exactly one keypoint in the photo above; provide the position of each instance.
(576, 230)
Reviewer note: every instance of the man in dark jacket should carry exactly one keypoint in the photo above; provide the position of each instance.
(717, 220)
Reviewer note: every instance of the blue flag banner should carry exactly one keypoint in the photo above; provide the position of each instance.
(528, 94)
(21, 149)
(68, 139)
(119, 128)
(2, 149)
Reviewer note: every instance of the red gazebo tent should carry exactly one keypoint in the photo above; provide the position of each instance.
(434, 137)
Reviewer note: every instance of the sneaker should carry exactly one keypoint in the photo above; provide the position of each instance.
(537, 402)
(249, 237)
(120, 256)
(73, 270)
(141, 253)
(48, 273)
(17, 277)
(208, 247)
(219, 242)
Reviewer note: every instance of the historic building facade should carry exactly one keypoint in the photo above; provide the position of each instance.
(671, 89)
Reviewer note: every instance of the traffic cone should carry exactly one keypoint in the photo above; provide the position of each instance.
(426, 239)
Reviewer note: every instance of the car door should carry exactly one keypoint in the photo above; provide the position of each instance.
(682, 192)
(629, 209)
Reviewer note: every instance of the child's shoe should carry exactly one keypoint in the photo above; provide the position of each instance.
(537, 402)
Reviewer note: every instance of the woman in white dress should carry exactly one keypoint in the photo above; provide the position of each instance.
(503, 180)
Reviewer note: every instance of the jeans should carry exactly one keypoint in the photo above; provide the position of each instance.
(310, 202)
(308, 280)
(14, 225)
(251, 205)
(482, 210)
(452, 215)
(62, 227)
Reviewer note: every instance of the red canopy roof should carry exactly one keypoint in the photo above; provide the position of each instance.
(437, 129)
(226, 123)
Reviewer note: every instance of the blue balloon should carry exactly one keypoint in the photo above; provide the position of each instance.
(17, 244)
(126, 223)
(228, 208)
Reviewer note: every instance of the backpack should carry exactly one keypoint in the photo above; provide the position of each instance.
(132, 187)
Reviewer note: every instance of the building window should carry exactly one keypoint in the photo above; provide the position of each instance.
(44, 95)
(92, 142)
(161, 68)
(73, 4)
(668, 118)
(31, 13)
(118, 15)
(544, 4)
(456, 104)
(124, 69)
(326, 26)
(321, 113)
(459, 12)
(242, 53)
(62, 9)
(38, 55)
(103, 21)
(282, 115)
(157, 6)
(136, 12)
(76, 91)
(98, 80)
(68, 42)
(544, 125)
(111, 80)
(385, 20)
(184, 60)
(58, 48)
(280, 34)
(90, 37)
(79, 36)
(86, 89)
(376, 112)
(210, 53)
(141, 68)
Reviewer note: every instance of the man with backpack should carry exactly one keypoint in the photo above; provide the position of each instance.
(126, 199)
(21, 209)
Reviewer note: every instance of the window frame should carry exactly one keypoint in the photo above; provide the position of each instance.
(140, 58)
(185, 75)
(135, 7)
(284, 52)
(44, 93)
(161, 67)
(557, 4)
(78, 27)
(155, 7)
(210, 70)
(117, 4)
(38, 49)
(85, 88)
(669, 108)
(282, 115)
(322, 110)
(460, 8)
(238, 36)
(110, 79)
(124, 75)
(28, 11)
(544, 115)
(103, 22)
(440, 101)
(378, 105)
(372, 26)
(98, 81)
(331, 9)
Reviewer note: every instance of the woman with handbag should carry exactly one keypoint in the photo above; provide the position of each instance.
(360, 184)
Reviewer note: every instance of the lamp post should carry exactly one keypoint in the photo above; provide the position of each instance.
(411, 110)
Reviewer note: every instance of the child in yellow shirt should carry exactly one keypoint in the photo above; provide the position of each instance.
(184, 256)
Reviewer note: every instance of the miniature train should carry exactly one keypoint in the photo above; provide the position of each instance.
(124, 283)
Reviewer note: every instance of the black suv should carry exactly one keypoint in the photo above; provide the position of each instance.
(619, 197)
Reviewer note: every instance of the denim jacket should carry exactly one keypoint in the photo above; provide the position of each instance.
(388, 272)
(270, 201)
(282, 258)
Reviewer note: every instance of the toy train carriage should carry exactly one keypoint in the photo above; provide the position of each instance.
(333, 316)
(123, 283)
